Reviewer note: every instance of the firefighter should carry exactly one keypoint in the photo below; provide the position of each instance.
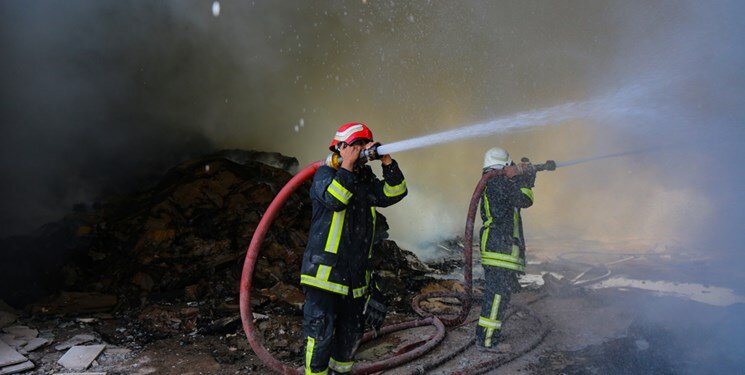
(336, 273)
(502, 242)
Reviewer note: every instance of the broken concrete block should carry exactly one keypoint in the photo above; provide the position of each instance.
(24, 366)
(75, 340)
(81, 357)
(8, 356)
(13, 341)
(35, 344)
(22, 332)
(79, 373)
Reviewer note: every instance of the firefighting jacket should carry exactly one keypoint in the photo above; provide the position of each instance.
(337, 257)
(502, 240)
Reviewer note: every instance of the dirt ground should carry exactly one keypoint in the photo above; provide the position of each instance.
(562, 329)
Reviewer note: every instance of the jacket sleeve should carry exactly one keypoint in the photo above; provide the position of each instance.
(522, 194)
(392, 188)
(333, 188)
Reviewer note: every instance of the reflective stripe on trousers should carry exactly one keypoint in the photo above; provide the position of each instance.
(309, 346)
(340, 367)
(491, 323)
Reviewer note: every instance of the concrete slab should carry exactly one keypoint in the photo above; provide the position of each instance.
(22, 332)
(8, 355)
(28, 365)
(81, 357)
(75, 340)
(11, 340)
(35, 344)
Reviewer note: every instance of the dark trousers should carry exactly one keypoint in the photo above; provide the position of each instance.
(498, 287)
(333, 326)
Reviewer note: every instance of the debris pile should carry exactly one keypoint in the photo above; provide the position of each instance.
(165, 263)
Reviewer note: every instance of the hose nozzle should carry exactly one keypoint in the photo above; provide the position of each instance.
(549, 165)
(370, 154)
(334, 160)
(526, 167)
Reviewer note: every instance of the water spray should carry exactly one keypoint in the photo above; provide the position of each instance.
(602, 157)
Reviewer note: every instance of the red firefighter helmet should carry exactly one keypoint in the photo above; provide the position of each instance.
(351, 132)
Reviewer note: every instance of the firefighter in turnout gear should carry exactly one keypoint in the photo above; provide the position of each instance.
(336, 271)
(502, 242)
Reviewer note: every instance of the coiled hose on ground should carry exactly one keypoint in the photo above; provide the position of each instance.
(250, 263)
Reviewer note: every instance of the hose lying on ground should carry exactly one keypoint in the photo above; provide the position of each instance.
(250, 263)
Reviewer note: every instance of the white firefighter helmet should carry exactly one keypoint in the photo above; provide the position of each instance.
(496, 158)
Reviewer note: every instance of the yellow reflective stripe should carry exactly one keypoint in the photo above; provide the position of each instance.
(495, 306)
(487, 223)
(484, 238)
(309, 372)
(504, 257)
(325, 285)
(337, 223)
(394, 191)
(503, 264)
(359, 292)
(323, 272)
(528, 193)
(339, 192)
(516, 232)
(310, 345)
(490, 323)
(339, 366)
(372, 240)
(487, 209)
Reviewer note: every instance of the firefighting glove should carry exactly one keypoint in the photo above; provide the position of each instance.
(375, 306)
(527, 175)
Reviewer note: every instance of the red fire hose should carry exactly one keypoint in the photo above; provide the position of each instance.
(467, 296)
(245, 294)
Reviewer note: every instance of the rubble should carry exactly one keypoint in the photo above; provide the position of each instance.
(164, 264)
(8, 356)
(34, 344)
(442, 306)
(25, 366)
(76, 302)
(81, 357)
(75, 340)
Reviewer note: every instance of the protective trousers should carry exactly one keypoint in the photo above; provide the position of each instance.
(333, 326)
(498, 287)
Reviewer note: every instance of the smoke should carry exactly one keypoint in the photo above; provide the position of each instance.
(100, 97)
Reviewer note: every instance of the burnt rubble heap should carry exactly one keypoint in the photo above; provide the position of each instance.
(167, 261)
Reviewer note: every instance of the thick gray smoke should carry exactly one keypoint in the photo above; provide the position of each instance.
(100, 96)
(97, 97)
